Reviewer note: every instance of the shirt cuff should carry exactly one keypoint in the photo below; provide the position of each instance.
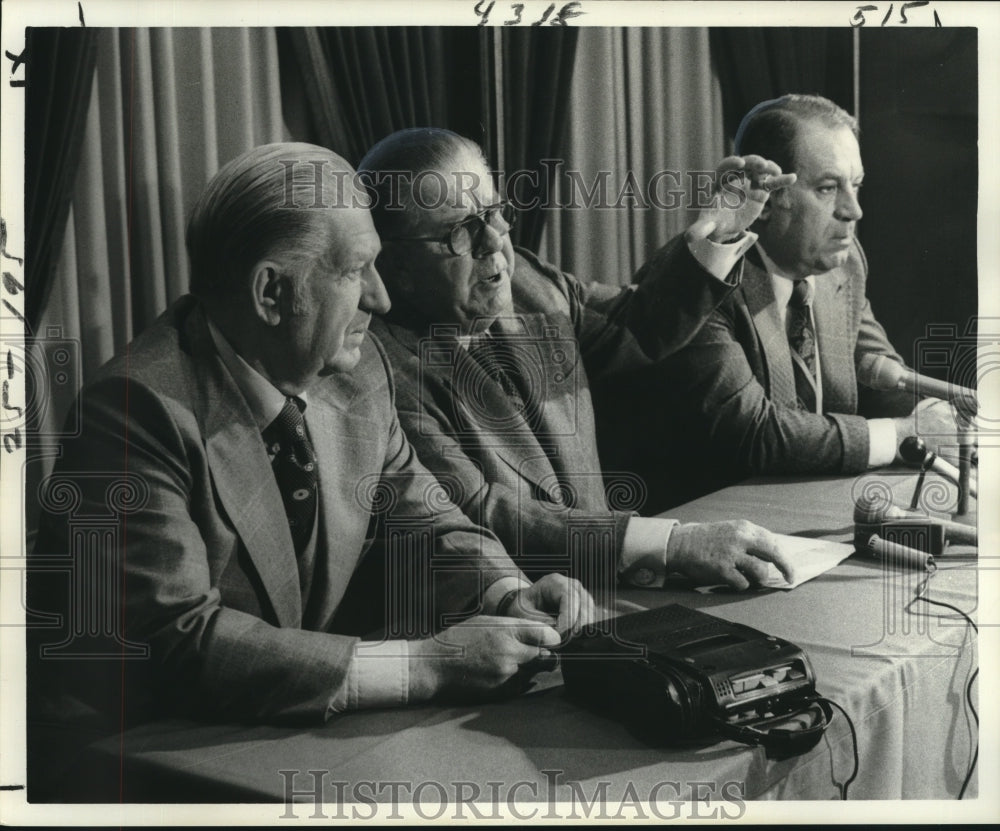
(497, 590)
(881, 442)
(378, 676)
(644, 551)
(720, 258)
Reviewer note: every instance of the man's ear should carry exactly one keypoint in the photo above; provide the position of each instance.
(267, 286)
(777, 199)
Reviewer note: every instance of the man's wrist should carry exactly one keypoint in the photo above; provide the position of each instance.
(644, 551)
(423, 680)
(505, 602)
(719, 259)
(497, 592)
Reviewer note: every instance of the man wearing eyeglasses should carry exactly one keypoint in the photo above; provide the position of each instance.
(494, 352)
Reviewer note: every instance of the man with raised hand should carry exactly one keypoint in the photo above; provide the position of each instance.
(495, 353)
(784, 376)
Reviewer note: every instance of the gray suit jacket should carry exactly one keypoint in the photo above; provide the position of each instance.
(537, 481)
(207, 567)
(735, 389)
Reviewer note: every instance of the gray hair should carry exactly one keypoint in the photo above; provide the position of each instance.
(267, 202)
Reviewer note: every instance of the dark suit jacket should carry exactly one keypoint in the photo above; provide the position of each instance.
(537, 482)
(208, 572)
(733, 389)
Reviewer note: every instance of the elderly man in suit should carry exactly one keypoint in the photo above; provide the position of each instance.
(775, 381)
(254, 425)
(494, 353)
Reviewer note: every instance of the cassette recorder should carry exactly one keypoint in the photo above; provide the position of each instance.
(677, 676)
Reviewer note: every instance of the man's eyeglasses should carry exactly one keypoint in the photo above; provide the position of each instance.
(467, 234)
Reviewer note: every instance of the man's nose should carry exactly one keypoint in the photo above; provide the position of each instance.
(848, 206)
(374, 297)
(490, 242)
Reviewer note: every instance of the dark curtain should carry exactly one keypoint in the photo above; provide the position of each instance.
(346, 88)
(58, 74)
(755, 64)
(537, 71)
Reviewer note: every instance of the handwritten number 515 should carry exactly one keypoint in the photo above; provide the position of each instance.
(859, 14)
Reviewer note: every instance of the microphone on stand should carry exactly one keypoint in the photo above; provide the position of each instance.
(872, 513)
(879, 372)
(914, 451)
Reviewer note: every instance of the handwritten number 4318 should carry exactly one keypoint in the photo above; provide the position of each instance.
(569, 10)
(859, 15)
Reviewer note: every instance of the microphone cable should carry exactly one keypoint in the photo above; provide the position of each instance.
(854, 747)
(919, 595)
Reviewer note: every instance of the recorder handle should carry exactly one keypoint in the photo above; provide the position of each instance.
(783, 741)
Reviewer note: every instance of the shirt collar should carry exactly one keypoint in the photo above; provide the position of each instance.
(781, 285)
(264, 399)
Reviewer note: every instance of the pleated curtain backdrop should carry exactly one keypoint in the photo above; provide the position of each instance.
(168, 107)
(756, 64)
(348, 87)
(537, 66)
(641, 100)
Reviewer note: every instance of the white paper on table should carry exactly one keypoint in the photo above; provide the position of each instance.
(809, 558)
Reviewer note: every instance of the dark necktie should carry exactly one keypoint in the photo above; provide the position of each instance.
(802, 340)
(294, 464)
(491, 354)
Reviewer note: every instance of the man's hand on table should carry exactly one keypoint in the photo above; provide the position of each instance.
(495, 655)
(555, 599)
(735, 552)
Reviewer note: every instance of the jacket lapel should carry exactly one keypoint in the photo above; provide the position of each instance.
(243, 478)
(775, 353)
(326, 416)
(835, 342)
(548, 362)
(482, 407)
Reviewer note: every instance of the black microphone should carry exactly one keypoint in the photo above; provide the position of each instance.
(871, 512)
(879, 372)
(915, 452)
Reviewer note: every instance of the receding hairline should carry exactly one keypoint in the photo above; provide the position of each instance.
(438, 180)
(775, 126)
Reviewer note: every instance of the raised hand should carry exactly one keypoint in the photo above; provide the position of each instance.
(744, 184)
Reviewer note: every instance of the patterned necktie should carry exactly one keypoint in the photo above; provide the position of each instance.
(802, 340)
(490, 353)
(294, 464)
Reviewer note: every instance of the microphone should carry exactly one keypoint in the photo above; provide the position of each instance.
(879, 372)
(872, 512)
(893, 553)
(915, 452)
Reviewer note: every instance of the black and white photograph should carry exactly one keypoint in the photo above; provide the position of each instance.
(499, 413)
